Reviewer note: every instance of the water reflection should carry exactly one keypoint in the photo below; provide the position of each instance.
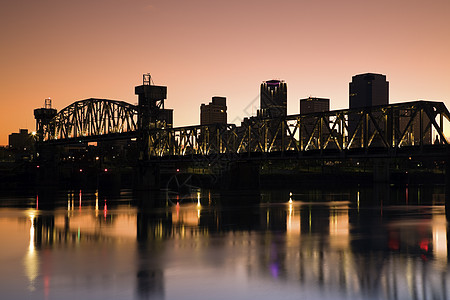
(31, 260)
(341, 248)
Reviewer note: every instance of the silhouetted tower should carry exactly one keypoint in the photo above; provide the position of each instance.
(151, 112)
(215, 112)
(367, 90)
(314, 105)
(273, 99)
(43, 117)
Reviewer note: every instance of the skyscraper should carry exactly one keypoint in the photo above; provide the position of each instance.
(314, 105)
(367, 90)
(215, 112)
(273, 99)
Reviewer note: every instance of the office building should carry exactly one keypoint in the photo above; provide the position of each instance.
(367, 90)
(273, 99)
(314, 105)
(21, 141)
(215, 112)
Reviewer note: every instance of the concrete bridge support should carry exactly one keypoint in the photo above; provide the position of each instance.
(241, 183)
(381, 171)
(148, 176)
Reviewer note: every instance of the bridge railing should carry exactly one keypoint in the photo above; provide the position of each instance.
(416, 123)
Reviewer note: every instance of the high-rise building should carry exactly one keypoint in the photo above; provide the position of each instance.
(215, 112)
(314, 105)
(367, 90)
(273, 99)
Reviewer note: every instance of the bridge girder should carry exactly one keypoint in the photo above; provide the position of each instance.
(91, 118)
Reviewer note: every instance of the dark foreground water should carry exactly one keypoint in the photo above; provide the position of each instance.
(317, 246)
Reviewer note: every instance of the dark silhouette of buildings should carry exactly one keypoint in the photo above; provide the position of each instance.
(21, 145)
(314, 105)
(215, 112)
(367, 90)
(21, 141)
(273, 99)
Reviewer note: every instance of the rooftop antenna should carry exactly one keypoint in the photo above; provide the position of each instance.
(48, 103)
(147, 79)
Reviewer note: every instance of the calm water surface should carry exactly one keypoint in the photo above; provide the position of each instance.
(316, 246)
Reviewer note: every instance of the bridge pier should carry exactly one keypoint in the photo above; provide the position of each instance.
(148, 176)
(241, 183)
(381, 171)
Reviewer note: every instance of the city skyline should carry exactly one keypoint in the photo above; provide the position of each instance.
(75, 51)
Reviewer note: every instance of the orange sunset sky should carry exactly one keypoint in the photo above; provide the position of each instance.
(72, 50)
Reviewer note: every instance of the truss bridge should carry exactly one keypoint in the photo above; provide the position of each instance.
(391, 129)
(412, 127)
(87, 120)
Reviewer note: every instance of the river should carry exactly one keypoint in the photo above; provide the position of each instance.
(345, 244)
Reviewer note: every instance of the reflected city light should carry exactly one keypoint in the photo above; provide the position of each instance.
(357, 200)
(407, 194)
(68, 202)
(188, 214)
(339, 227)
(96, 203)
(342, 255)
(31, 244)
(439, 229)
(293, 224)
(105, 210)
(31, 260)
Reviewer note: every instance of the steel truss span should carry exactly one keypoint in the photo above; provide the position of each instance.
(93, 118)
(411, 124)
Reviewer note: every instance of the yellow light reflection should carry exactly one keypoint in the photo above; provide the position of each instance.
(439, 228)
(31, 260)
(79, 200)
(31, 245)
(186, 214)
(358, 200)
(96, 203)
(88, 225)
(339, 228)
(293, 225)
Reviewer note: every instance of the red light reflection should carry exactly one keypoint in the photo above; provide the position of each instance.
(424, 245)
